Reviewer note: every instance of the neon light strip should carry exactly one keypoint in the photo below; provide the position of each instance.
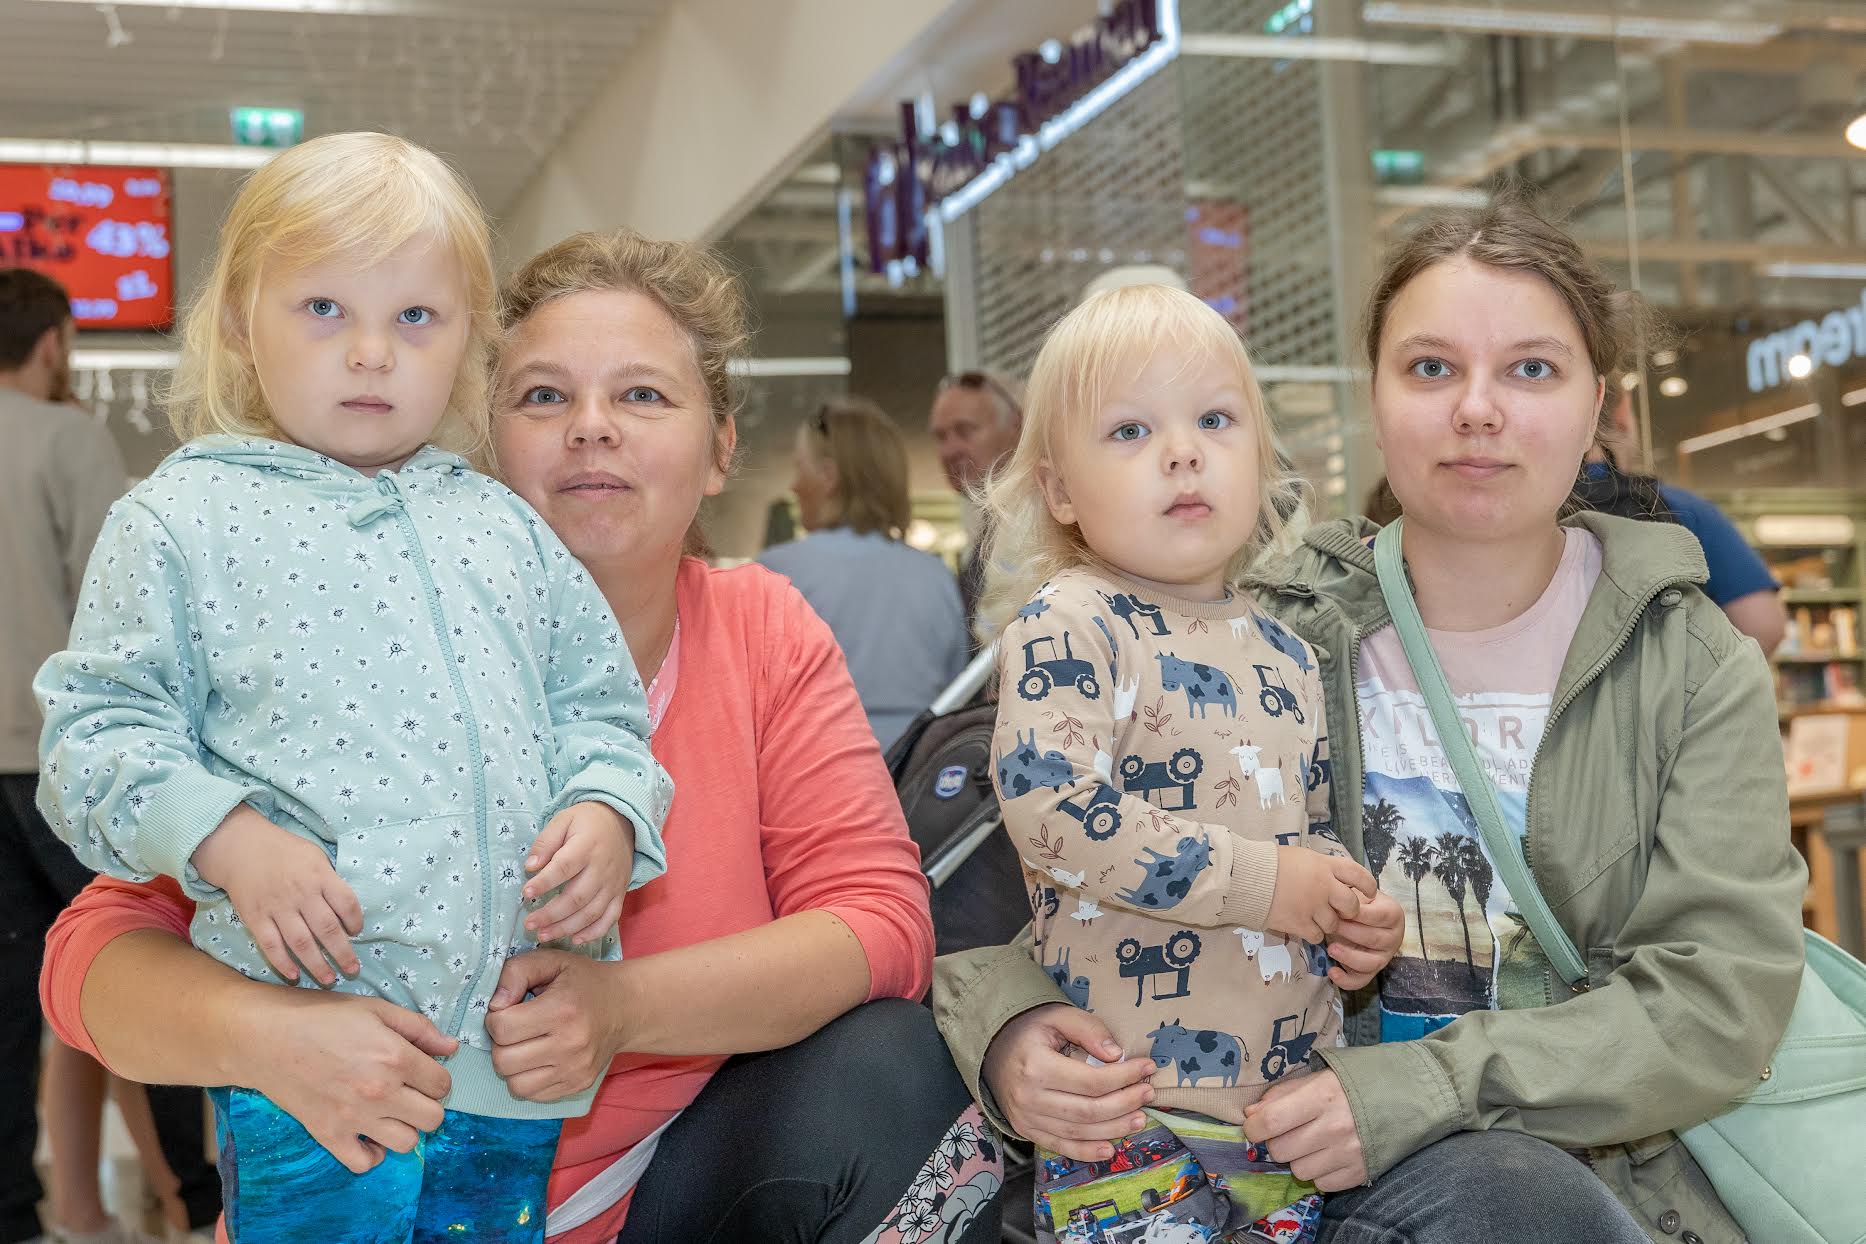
(124, 360)
(165, 360)
(1069, 120)
(1755, 427)
(1282, 47)
(158, 155)
(828, 366)
(332, 8)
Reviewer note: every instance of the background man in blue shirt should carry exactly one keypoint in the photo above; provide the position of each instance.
(1740, 583)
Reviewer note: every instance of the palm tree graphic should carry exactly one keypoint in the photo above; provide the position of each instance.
(1450, 868)
(1380, 822)
(1415, 856)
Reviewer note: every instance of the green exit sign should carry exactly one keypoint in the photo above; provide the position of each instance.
(1399, 168)
(268, 127)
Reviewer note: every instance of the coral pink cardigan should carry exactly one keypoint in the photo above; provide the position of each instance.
(781, 805)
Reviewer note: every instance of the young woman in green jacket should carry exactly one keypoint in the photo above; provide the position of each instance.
(1631, 734)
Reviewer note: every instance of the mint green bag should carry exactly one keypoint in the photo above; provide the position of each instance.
(1788, 1158)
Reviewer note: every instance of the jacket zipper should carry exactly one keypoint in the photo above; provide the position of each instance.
(475, 757)
(1548, 728)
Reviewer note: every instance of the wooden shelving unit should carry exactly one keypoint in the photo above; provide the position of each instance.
(1815, 543)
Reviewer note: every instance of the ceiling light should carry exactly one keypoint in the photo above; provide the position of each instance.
(1755, 427)
(1853, 397)
(320, 8)
(1514, 19)
(1800, 366)
(1856, 131)
(1673, 386)
(124, 360)
(1630, 381)
(1665, 358)
(157, 155)
(790, 367)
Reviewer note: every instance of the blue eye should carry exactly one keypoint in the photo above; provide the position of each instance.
(1129, 432)
(542, 395)
(416, 316)
(1533, 369)
(323, 308)
(1213, 420)
(1430, 369)
(642, 393)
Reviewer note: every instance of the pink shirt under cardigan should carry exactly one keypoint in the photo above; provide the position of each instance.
(781, 805)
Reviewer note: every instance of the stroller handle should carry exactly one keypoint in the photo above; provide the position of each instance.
(960, 691)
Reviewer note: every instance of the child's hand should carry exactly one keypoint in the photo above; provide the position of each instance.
(287, 894)
(589, 850)
(1363, 946)
(1316, 892)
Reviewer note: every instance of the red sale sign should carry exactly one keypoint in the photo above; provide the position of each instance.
(102, 233)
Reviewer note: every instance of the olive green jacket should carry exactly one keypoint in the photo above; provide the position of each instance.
(1657, 828)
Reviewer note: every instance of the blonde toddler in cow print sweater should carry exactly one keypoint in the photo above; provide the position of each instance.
(1161, 756)
(1158, 761)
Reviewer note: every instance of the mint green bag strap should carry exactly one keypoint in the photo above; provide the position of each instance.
(1506, 851)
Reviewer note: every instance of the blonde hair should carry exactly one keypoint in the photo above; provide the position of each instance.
(689, 282)
(870, 456)
(1092, 353)
(359, 195)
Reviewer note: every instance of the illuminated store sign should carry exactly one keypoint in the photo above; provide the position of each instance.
(1794, 352)
(1059, 88)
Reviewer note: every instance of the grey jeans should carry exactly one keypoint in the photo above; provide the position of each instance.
(1481, 1188)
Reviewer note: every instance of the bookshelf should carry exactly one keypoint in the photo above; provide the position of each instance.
(1814, 541)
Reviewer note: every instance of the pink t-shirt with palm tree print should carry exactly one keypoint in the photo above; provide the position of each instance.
(1421, 842)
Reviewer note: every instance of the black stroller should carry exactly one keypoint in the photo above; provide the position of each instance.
(941, 767)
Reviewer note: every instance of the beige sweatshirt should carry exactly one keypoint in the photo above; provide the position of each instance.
(58, 475)
(1150, 755)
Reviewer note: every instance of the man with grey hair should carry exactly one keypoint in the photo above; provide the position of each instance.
(975, 421)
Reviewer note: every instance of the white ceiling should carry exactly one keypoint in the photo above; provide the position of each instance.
(491, 84)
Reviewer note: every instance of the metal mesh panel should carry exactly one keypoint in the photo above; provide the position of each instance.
(1113, 193)
(1215, 167)
(1254, 138)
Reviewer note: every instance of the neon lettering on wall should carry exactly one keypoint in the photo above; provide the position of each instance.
(1838, 337)
(981, 148)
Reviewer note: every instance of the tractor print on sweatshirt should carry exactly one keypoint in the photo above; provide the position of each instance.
(1024, 769)
(1126, 606)
(1203, 684)
(1166, 784)
(1044, 670)
(1290, 1044)
(1172, 959)
(1197, 1054)
(1169, 877)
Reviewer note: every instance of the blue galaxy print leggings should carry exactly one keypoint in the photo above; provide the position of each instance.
(476, 1179)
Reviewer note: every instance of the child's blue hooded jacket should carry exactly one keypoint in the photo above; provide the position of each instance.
(410, 670)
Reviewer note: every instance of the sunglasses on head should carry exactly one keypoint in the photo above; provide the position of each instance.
(975, 380)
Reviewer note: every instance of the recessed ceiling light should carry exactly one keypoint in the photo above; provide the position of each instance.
(1673, 386)
(1800, 367)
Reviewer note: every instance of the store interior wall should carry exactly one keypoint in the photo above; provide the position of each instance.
(705, 113)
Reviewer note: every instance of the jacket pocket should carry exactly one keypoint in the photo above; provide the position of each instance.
(418, 884)
(1657, 1179)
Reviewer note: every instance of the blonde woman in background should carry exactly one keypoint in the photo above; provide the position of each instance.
(894, 609)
